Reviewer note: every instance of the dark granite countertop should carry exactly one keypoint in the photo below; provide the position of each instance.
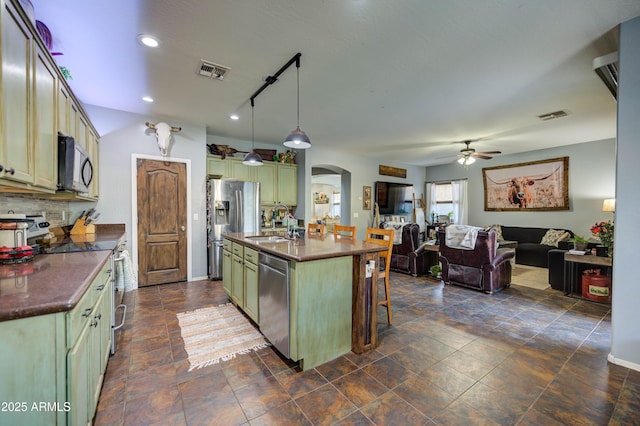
(47, 284)
(309, 247)
(51, 283)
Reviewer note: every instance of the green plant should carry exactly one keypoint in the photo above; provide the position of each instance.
(578, 239)
(435, 270)
(66, 73)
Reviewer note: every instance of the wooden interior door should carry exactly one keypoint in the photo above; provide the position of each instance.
(162, 222)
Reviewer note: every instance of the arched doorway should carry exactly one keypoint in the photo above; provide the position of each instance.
(330, 195)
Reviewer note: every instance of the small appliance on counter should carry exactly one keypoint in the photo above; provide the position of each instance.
(13, 239)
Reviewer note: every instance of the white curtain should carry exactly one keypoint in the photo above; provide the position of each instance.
(430, 201)
(460, 208)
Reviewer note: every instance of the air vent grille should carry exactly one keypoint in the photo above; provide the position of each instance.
(553, 115)
(211, 70)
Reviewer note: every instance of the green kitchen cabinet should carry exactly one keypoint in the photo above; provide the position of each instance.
(239, 171)
(53, 365)
(288, 184)
(237, 279)
(227, 271)
(267, 175)
(217, 167)
(251, 283)
(45, 135)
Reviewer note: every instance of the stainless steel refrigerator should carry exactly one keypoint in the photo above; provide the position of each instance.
(232, 206)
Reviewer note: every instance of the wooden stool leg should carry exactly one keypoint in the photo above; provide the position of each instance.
(387, 300)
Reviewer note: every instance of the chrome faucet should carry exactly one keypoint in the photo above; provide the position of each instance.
(289, 233)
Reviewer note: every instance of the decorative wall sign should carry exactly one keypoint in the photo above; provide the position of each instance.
(366, 198)
(536, 185)
(392, 171)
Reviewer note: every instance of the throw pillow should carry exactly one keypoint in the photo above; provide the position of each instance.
(498, 230)
(553, 236)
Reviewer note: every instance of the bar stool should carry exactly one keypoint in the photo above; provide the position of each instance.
(316, 229)
(344, 231)
(383, 237)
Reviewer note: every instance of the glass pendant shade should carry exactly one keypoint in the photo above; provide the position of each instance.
(465, 161)
(297, 139)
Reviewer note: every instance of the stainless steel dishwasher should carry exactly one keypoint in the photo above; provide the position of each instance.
(273, 299)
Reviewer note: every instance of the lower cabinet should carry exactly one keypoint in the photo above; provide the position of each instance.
(52, 366)
(240, 277)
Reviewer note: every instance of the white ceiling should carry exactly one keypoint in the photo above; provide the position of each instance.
(403, 80)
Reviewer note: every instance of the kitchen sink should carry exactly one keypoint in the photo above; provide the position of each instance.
(267, 239)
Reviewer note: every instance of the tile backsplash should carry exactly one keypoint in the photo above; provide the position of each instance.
(53, 209)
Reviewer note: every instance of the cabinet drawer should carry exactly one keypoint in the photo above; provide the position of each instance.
(251, 255)
(226, 244)
(237, 249)
(84, 310)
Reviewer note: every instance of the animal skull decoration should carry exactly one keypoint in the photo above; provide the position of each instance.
(163, 135)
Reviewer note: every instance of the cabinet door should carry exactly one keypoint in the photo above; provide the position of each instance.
(267, 176)
(78, 390)
(45, 138)
(251, 291)
(237, 170)
(73, 118)
(93, 148)
(64, 110)
(227, 272)
(237, 278)
(217, 166)
(17, 54)
(81, 136)
(288, 185)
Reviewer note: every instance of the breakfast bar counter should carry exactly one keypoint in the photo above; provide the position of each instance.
(332, 304)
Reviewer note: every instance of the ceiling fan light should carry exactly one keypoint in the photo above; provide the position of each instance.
(252, 159)
(465, 161)
(297, 139)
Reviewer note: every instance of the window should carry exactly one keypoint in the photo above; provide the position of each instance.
(444, 198)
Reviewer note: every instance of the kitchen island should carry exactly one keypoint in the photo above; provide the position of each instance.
(332, 306)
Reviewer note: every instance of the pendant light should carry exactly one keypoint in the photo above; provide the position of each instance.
(252, 158)
(297, 138)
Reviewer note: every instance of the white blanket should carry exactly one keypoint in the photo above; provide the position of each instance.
(397, 227)
(462, 236)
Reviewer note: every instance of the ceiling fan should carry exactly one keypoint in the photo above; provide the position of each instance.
(468, 155)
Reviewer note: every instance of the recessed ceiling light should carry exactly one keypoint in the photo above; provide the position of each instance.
(147, 98)
(234, 116)
(148, 40)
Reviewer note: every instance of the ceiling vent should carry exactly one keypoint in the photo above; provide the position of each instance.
(607, 69)
(211, 70)
(553, 115)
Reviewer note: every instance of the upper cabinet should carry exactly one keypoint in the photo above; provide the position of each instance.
(36, 104)
(278, 181)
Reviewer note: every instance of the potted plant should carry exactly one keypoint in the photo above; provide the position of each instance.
(436, 271)
(579, 243)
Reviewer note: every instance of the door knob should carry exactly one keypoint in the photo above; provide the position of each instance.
(182, 228)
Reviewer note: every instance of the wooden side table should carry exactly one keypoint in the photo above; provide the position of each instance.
(574, 264)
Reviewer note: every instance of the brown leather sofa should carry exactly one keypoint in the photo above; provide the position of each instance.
(409, 256)
(486, 267)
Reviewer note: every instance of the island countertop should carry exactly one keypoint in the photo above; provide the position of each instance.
(309, 247)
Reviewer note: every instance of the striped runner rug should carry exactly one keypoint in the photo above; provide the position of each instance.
(217, 333)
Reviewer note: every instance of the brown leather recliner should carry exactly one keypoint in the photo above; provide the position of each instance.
(483, 268)
(409, 257)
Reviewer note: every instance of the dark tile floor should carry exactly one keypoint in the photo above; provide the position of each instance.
(453, 356)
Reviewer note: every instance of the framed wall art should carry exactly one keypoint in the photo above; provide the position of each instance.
(366, 198)
(536, 185)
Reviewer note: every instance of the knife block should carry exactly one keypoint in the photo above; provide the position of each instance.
(79, 228)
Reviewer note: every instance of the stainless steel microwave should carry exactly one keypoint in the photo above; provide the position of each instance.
(75, 171)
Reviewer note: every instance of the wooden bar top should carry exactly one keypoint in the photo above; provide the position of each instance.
(309, 247)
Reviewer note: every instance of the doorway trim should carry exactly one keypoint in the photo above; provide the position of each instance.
(134, 207)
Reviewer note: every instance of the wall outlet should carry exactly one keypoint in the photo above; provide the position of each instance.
(195, 216)
(64, 215)
(355, 214)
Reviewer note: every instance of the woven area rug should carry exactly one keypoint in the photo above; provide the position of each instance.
(217, 333)
(530, 276)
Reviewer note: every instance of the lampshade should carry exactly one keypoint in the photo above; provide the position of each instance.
(609, 205)
(465, 161)
(252, 158)
(297, 138)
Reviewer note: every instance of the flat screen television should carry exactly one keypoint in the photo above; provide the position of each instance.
(394, 198)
